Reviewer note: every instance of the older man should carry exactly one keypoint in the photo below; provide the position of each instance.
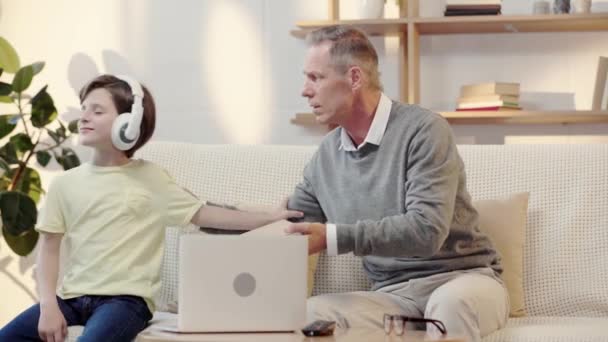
(389, 185)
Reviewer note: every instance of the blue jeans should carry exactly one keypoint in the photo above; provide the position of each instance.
(106, 318)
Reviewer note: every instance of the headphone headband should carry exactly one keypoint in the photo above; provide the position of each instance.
(133, 84)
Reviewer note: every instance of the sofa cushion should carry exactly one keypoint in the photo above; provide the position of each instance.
(504, 221)
(552, 329)
(565, 254)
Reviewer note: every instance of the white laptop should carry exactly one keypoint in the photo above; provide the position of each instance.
(245, 283)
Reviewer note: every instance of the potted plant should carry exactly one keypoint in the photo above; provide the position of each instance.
(29, 132)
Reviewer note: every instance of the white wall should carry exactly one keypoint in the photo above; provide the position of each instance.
(227, 71)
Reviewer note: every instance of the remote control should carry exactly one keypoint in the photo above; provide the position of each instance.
(319, 328)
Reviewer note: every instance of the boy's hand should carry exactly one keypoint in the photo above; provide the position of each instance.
(282, 213)
(52, 326)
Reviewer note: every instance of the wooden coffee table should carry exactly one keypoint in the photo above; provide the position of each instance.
(348, 335)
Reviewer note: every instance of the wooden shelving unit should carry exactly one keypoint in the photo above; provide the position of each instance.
(513, 24)
(376, 27)
(468, 24)
(410, 26)
(527, 117)
(507, 117)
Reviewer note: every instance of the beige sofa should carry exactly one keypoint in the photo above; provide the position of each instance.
(561, 253)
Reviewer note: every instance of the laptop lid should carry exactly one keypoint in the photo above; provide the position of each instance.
(242, 283)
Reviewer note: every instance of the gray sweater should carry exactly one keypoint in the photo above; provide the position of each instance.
(403, 205)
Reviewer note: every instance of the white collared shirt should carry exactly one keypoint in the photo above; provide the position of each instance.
(374, 136)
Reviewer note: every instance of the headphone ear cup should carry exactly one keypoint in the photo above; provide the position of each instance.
(119, 127)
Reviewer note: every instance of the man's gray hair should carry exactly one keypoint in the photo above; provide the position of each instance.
(349, 46)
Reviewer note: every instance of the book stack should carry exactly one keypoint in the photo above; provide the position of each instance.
(472, 7)
(494, 96)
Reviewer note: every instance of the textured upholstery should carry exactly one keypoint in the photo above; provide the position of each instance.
(565, 255)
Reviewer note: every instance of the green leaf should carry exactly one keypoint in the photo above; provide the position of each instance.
(61, 130)
(53, 136)
(43, 157)
(9, 60)
(5, 89)
(73, 126)
(37, 67)
(5, 126)
(6, 99)
(29, 183)
(68, 159)
(18, 211)
(5, 173)
(5, 183)
(4, 165)
(23, 79)
(43, 109)
(8, 153)
(23, 244)
(22, 142)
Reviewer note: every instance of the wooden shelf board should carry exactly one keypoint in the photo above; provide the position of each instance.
(527, 117)
(372, 27)
(506, 117)
(469, 24)
(507, 23)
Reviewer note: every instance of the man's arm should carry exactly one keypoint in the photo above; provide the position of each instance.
(432, 182)
(304, 199)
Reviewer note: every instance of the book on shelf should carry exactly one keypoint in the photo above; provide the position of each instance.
(473, 7)
(456, 13)
(472, 2)
(486, 104)
(485, 98)
(492, 88)
(464, 7)
(489, 109)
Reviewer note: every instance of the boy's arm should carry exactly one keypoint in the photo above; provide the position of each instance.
(230, 219)
(52, 324)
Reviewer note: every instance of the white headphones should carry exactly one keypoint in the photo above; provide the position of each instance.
(126, 127)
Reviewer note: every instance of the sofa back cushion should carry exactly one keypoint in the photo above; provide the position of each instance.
(565, 254)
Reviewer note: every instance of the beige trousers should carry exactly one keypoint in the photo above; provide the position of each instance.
(471, 303)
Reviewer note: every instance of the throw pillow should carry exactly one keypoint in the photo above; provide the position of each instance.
(504, 221)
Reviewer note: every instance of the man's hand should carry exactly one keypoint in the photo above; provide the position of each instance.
(52, 326)
(282, 213)
(317, 239)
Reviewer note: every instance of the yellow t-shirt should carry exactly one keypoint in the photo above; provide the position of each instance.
(113, 220)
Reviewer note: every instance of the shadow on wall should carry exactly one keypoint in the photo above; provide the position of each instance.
(168, 46)
(25, 264)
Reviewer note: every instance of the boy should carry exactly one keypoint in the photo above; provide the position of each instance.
(112, 213)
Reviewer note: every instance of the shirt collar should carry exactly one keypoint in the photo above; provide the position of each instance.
(376, 129)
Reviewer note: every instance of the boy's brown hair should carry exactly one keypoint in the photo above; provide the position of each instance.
(122, 97)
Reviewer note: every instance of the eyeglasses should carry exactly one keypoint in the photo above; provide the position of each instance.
(397, 322)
